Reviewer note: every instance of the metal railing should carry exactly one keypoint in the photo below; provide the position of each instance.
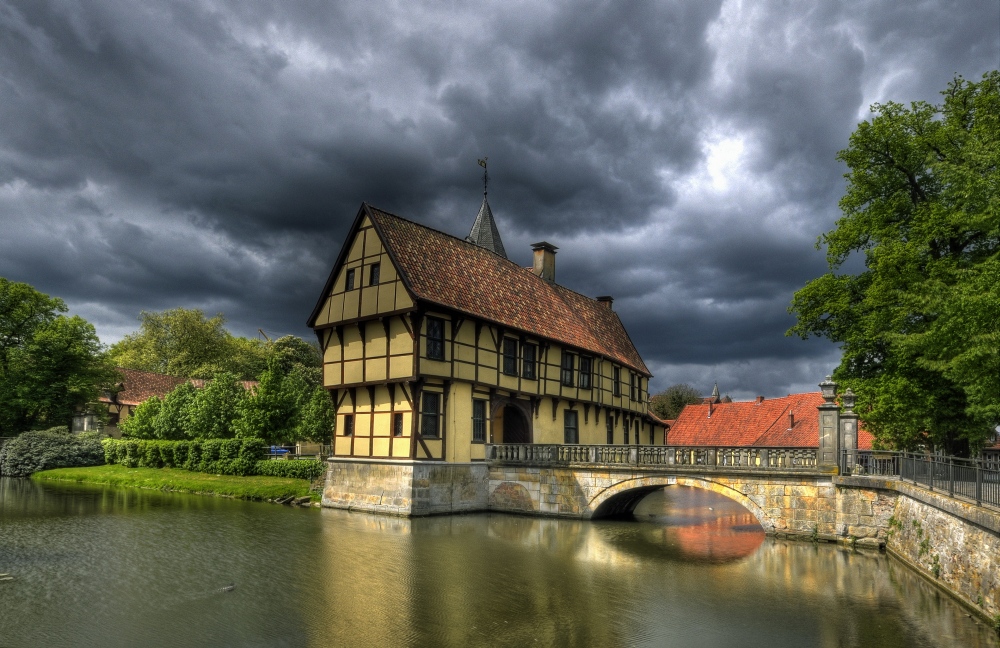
(630, 455)
(976, 480)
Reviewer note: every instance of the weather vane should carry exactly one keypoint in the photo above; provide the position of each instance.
(486, 176)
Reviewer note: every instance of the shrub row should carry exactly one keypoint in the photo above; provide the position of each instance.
(219, 456)
(299, 469)
(54, 448)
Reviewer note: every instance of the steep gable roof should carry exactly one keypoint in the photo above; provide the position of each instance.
(761, 423)
(442, 269)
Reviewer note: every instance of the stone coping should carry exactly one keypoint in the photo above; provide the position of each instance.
(403, 462)
(667, 469)
(980, 516)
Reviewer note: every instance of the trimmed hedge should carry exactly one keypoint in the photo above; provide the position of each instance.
(218, 456)
(53, 448)
(298, 468)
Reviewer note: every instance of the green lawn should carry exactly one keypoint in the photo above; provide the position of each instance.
(255, 487)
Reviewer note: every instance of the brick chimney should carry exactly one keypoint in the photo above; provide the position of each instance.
(545, 260)
(760, 399)
(607, 300)
(791, 419)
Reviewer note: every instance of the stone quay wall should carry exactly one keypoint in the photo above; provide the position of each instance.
(407, 489)
(953, 543)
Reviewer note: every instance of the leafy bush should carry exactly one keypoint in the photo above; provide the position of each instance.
(298, 469)
(219, 456)
(53, 448)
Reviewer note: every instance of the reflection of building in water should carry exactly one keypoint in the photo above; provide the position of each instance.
(702, 525)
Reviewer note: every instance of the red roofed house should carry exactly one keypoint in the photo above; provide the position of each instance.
(792, 421)
(435, 346)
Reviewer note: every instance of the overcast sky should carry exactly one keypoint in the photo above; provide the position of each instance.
(681, 155)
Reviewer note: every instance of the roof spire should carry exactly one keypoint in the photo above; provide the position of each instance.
(484, 231)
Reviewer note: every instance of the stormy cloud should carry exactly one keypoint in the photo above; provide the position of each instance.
(682, 155)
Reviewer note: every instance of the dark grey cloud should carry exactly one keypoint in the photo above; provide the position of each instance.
(681, 154)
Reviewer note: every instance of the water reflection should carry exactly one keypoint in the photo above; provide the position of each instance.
(700, 525)
(101, 567)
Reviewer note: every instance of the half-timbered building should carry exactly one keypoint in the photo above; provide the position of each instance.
(434, 346)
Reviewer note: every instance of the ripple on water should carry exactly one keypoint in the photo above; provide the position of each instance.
(105, 567)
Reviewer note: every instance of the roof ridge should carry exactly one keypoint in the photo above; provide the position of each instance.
(441, 232)
(478, 247)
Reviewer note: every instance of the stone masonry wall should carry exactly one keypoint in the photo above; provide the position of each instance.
(937, 536)
(409, 489)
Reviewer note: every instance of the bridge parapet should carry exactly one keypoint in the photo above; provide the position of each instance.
(692, 457)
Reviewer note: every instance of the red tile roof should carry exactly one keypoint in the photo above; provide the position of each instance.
(137, 385)
(442, 269)
(761, 423)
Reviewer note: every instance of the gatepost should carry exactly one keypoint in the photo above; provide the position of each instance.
(829, 427)
(849, 432)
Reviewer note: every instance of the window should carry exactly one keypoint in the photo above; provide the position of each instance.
(617, 381)
(510, 356)
(571, 434)
(625, 428)
(348, 424)
(652, 435)
(397, 425)
(567, 369)
(373, 272)
(611, 428)
(638, 441)
(631, 386)
(586, 365)
(529, 353)
(478, 421)
(435, 338)
(430, 414)
(350, 280)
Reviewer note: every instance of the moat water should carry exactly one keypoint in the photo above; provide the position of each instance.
(110, 567)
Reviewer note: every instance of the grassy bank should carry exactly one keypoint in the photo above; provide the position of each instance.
(184, 481)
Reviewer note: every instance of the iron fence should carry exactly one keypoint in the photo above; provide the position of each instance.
(976, 480)
(683, 456)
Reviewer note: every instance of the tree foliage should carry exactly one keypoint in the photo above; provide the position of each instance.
(50, 364)
(668, 403)
(919, 325)
(183, 342)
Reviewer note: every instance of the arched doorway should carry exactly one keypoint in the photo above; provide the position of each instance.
(516, 428)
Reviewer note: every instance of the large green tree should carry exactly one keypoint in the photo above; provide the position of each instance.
(920, 324)
(185, 343)
(668, 403)
(50, 364)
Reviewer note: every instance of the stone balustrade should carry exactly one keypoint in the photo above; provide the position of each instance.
(691, 457)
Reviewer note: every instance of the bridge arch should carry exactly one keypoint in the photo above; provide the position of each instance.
(623, 497)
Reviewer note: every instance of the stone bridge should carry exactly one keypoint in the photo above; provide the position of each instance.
(783, 487)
